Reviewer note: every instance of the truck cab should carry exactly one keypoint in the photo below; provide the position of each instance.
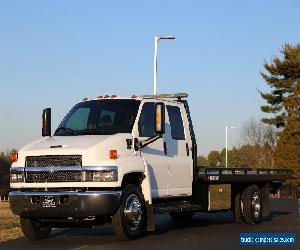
(100, 147)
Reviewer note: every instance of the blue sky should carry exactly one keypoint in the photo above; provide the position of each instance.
(53, 53)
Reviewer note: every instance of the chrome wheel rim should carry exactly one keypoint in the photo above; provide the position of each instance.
(256, 205)
(133, 212)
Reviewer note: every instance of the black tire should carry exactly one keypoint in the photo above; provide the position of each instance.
(128, 226)
(34, 230)
(237, 212)
(252, 205)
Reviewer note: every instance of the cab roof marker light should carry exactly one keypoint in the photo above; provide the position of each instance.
(99, 96)
(106, 96)
(133, 96)
(113, 96)
(84, 99)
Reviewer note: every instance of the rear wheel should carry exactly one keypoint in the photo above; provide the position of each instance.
(129, 221)
(34, 230)
(252, 205)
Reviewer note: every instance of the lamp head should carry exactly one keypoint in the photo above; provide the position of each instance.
(166, 38)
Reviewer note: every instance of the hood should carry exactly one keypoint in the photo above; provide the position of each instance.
(65, 142)
(93, 148)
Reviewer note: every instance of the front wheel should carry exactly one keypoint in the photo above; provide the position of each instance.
(129, 221)
(34, 230)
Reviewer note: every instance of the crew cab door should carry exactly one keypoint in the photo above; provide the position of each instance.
(154, 153)
(178, 143)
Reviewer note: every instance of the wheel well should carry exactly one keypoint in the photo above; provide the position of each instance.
(135, 178)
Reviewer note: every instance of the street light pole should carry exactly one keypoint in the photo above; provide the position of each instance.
(156, 40)
(226, 145)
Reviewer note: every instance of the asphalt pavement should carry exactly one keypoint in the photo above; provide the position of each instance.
(207, 231)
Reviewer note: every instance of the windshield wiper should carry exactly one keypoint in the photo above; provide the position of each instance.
(69, 130)
(93, 131)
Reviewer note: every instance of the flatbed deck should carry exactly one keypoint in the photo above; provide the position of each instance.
(221, 175)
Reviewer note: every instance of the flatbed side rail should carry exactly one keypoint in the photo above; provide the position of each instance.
(229, 175)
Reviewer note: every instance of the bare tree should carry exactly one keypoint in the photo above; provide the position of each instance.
(255, 132)
(263, 138)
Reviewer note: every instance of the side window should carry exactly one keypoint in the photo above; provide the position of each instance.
(78, 120)
(177, 130)
(146, 122)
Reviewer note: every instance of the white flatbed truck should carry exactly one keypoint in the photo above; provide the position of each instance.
(122, 159)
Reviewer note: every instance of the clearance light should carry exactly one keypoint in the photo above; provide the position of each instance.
(84, 99)
(106, 96)
(133, 96)
(158, 119)
(99, 96)
(14, 156)
(113, 154)
(113, 96)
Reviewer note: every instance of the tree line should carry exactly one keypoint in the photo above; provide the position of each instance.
(256, 150)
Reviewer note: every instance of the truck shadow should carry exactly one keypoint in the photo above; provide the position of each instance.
(275, 214)
(72, 238)
(199, 220)
(164, 224)
(204, 220)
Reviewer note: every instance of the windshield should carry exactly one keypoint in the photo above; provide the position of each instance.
(99, 117)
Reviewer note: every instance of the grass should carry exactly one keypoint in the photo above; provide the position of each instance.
(9, 223)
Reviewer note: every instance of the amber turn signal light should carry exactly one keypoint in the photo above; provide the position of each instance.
(113, 154)
(14, 156)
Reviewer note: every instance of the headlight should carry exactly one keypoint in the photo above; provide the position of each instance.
(16, 177)
(102, 175)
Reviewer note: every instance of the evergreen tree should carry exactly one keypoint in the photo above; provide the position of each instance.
(280, 76)
(287, 153)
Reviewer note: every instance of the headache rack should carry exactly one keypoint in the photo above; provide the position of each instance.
(177, 96)
(230, 175)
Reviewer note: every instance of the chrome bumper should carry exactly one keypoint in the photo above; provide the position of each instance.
(64, 204)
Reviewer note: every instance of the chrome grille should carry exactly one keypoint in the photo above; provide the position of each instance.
(57, 176)
(53, 160)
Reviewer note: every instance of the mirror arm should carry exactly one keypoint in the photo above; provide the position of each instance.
(142, 144)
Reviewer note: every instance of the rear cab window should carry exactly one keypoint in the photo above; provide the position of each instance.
(176, 123)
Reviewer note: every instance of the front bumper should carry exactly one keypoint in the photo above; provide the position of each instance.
(64, 204)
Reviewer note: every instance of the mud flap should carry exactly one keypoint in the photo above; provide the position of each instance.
(236, 196)
(150, 217)
(265, 200)
(238, 213)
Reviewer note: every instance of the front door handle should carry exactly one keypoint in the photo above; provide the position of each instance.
(165, 148)
(187, 149)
